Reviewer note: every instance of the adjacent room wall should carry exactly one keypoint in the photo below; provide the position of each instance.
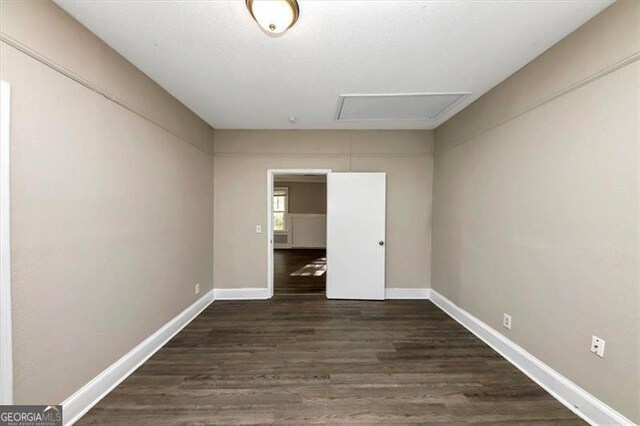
(242, 158)
(307, 215)
(536, 207)
(112, 206)
(306, 197)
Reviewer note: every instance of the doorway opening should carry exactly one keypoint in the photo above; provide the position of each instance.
(297, 207)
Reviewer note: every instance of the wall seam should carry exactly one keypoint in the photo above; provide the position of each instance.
(9, 41)
(575, 86)
(350, 150)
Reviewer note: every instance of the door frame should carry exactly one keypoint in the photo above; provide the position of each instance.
(6, 347)
(270, 179)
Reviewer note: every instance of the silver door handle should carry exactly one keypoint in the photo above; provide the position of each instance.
(381, 242)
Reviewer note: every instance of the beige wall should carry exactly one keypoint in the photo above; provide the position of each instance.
(306, 197)
(112, 215)
(241, 162)
(536, 207)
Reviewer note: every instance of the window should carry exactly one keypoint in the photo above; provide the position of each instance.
(280, 207)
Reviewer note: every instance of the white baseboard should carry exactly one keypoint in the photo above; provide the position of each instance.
(581, 402)
(568, 393)
(247, 293)
(90, 394)
(406, 293)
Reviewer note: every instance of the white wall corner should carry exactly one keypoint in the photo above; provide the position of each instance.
(246, 293)
(579, 401)
(90, 394)
(407, 293)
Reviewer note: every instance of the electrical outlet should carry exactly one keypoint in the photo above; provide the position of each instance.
(506, 321)
(197, 288)
(258, 229)
(597, 346)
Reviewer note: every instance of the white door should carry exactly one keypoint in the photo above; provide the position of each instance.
(356, 205)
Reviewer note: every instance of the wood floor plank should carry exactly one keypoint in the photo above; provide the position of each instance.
(302, 359)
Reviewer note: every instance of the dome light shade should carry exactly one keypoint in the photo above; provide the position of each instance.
(274, 16)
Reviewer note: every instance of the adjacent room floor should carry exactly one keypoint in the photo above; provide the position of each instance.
(300, 358)
(299, 271)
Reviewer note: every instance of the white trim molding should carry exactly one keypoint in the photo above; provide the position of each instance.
(406, 293)
(6, 346)
(245, 293)
(579, 401)
(90, 394)
(284, 180)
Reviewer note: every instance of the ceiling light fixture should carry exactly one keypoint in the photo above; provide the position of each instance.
(274, 16)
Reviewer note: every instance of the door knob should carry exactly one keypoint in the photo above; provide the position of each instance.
(381, 242)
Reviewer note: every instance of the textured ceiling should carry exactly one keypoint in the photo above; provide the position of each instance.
(213, 57)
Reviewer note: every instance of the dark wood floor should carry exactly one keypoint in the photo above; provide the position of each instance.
(299, 271)
(300, 358)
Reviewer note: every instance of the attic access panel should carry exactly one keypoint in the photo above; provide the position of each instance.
(404, 106)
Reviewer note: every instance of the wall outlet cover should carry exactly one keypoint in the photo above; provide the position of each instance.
(197, 288)
(506, 321)
(597, 346)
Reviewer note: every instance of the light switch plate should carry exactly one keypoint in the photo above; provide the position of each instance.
(258, 229)
(197, 288)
